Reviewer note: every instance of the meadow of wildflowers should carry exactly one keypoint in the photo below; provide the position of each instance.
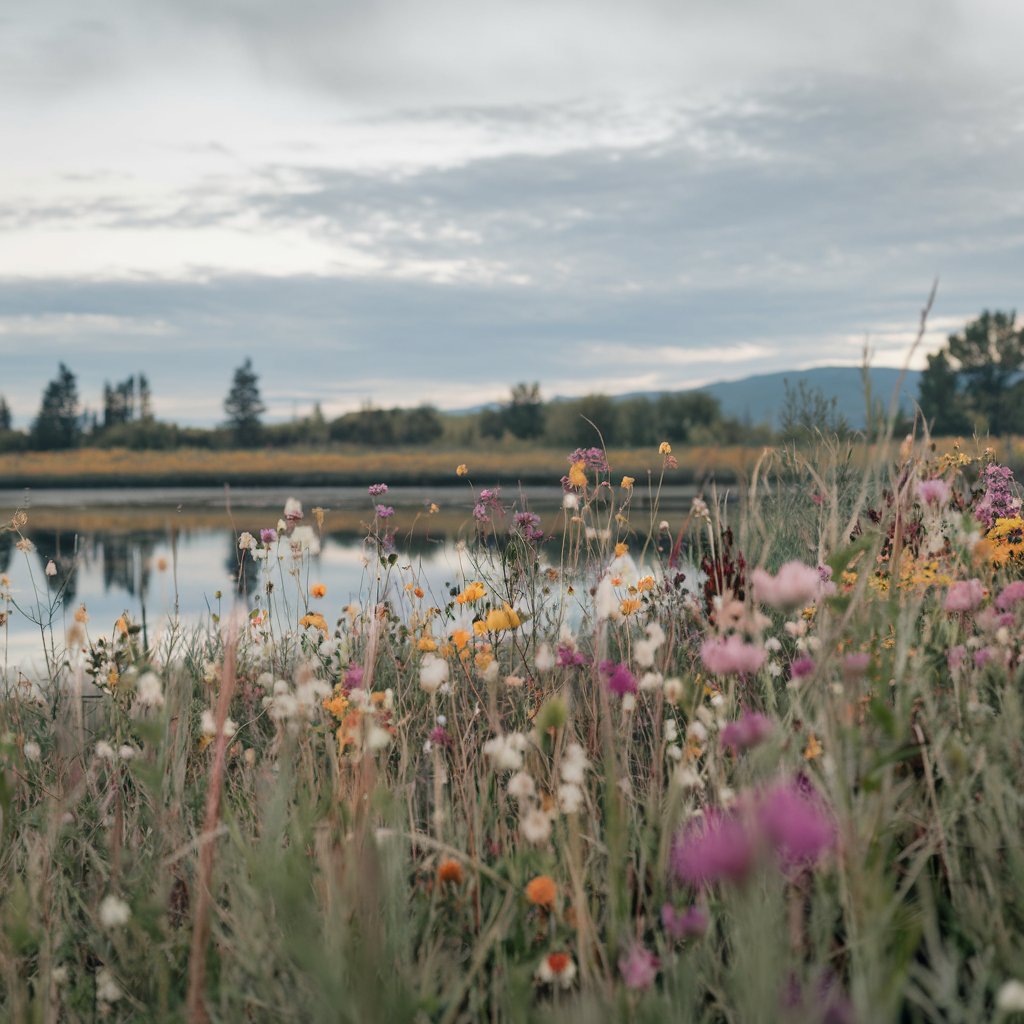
(760, 763)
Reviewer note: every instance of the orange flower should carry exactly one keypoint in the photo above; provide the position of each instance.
(577, 476)
(316, 620)
(621, 549)
(629, 606)
(541, 892)
(460, 637)
(813, 749)
(461, 470)
(473, 592)
(317, 590)
(450, 871)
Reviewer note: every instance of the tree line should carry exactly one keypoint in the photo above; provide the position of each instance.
(975, 383)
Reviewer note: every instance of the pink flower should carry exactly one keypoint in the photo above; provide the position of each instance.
(620, 680)
(1010, 595)
(855, 665)
(933, 491)
(964, 596)
(724, 656)
(794, 585)
(720, 847)
(801, 667)
(795, 823)
(747, 731)
(955, 657)
(639, 967)
(684, 924)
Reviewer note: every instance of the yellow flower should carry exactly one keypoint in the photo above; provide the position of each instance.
(316, 620)
(647, 583)
(336, 705)
(81, 615)
(664, 448)
(317, 590)
(473, 592)
(621, 549)
(461, 469)
(460, 637)
(483, 659)
(1006, 540)
(502, 618)
(426, 643)
(813, 748)
(434, 508)
(627, 483)
(577, 476)
(630, 605)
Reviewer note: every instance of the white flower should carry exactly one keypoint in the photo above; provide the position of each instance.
(574, 764)
(292, 510)
(697, 731)
(628, 702)
(208, 725)
(31, 750)
(126, 753)
(433, 672)
(521, 786)
(651, 681)
(606, 603)
(491, 672)
(673, 690)
(686, 777)
(536, 826)
(105, 752)
(1010, 998)
(114, 912)
(303, 539)
(149, 691)
(570, 798)
(671, 731)
(51, 569)
(544, 659)
(377, 738)
(644, 650)
(506, 752)
(107, 989)
(247, 542)
(570, 502)
(59, 975)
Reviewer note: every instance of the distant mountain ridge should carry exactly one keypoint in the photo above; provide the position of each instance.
(760, 399)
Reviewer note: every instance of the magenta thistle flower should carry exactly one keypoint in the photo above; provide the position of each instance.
(639, 967)
(801, 667)
(353, 677)
(377, 490)
(747, 731)
(268, 536)
(620, 680)
(684, 924)
(997, 502)
(384, 511)
(569, 657)
(795, 823)
(718, 848)
(731, 655)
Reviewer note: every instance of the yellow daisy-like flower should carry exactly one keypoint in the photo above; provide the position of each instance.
(621, 549)
(577, 474)
(664, 448)
(1006, 540)
(473, 592)
(627, 483)
(461, 469)
(813, 748)
(630, 606)
(317, 621)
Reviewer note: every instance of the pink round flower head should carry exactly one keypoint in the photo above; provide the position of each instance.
(639, 967)
(964, 596)
(718, 848)
(684, 924)
(795, 823)
(794, 585)
(933, 492)
(747, 731)
(620, 680)
(731, 655)
(1010, 595)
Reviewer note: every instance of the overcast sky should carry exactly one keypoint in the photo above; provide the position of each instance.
(410, 201)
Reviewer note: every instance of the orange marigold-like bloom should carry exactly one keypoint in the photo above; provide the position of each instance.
(541, 891)
(473, 592)
(461, 469)
(577, 474)
(460, 637)
(317, 590)
(450, 871)
(316, 620)
(621, 549)
(630, 605)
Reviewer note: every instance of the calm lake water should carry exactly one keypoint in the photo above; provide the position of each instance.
(154, 551)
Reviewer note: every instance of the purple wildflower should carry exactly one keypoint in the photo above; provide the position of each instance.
(997, 502)
(376, 490)
(620, 680)
(747, 731)
(592, 458)
(1010, 595)
(384, 511)
(795, 823)
(569, 657)
(718, 848)
(353, 677)
(725, 656)
(964, 596)
(933, 492)
(639, 967)
(982, 657)
(439, 736)
(801, 667)
(528, 524)
(268, 536)
(684, 924)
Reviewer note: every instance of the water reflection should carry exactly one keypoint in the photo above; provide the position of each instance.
(151, 560)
